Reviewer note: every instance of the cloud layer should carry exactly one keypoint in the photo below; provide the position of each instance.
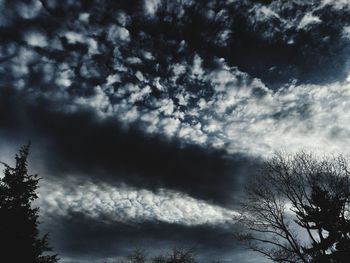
(108, 204)
(243, 115)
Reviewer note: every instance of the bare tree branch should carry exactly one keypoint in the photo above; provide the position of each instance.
(299, 193)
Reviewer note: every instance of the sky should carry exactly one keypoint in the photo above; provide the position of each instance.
(147, 117)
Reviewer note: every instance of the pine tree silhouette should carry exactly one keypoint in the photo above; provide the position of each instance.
(19, 234)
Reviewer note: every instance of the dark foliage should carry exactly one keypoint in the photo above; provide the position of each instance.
(19, 234)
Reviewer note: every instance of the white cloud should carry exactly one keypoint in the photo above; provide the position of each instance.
(166, 106)
(338, 4)
(139, 76)
(151, 6)
(183, 99)
(123, 204)
(84, 17)
(122, 18)
(170, 126)
(134, 60)
(111, 79)
(74, 37)
(346, 32)
(308, 19)
(139, 95)
(64, 75)
(177, 70)
(197, 70)
(148, 55)
(35, 39)
(263, 13)
(29, 9)
(118, 33)
(98, 101)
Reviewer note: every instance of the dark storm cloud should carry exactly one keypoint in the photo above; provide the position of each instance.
(81, 144)
(211, 243)
(272, 40)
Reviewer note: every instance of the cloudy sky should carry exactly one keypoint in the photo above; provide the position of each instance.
(146, 117)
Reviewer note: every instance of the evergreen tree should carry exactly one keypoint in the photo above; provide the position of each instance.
(19, 234)
(327, 212)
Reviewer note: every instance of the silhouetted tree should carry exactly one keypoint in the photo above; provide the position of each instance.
(297, 209)
(19, 234)
(176, 256)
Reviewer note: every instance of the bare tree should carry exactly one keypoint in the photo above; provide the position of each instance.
(296, 209)
(175, 256)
